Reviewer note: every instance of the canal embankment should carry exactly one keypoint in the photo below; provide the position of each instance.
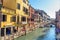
(34, 34)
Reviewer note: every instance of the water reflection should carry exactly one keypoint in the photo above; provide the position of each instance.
(36, 35)
(50, 35)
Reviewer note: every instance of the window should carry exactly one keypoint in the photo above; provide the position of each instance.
(0, 16)
(2, 31)
(44, 18)
(25, 10)
(17, 19)
(33, 16)
(41, 14)
(24, 1)
(56, 21)
(4, 18)
(23, 19)
(8, 30)
(32, 19)
(14, 29)
(48, 19)
(13, 19)
(18, 6)
(0, 6)
(59, 14)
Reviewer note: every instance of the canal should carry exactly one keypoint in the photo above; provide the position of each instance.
(40, 34)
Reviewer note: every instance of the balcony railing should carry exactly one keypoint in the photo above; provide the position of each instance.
(6, 10)
(24, 22)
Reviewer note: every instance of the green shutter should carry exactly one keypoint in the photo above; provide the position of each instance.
(0, 6)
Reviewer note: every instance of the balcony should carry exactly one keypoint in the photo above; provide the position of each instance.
(6, 10)
(24, 22)
(36, 19)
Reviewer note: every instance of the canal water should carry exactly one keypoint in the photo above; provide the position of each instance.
(40, 34)
(50, 35)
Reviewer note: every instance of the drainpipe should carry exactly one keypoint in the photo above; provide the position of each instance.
(0, 17)
(0, 25)
(18, 22)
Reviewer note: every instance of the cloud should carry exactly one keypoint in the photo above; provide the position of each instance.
(55, 6)
(49, 6)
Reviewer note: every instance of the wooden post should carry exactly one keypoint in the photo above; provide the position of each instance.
(12, 33)
(17, 24)
(17, 31)
(4, 33)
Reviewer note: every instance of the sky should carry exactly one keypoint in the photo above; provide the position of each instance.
(49, 6)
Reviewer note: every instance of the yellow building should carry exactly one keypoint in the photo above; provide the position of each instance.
(14, 14)
(8, 21)
(22, 12)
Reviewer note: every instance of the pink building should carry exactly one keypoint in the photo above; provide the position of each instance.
(31, 17)
(58, 19)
